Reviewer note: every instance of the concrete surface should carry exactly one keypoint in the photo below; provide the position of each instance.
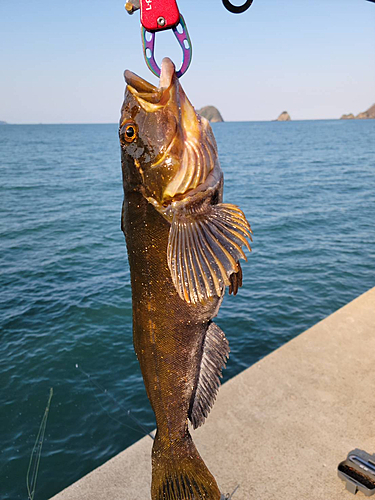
(280, 428)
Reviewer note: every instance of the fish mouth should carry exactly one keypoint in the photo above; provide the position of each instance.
(145, 91)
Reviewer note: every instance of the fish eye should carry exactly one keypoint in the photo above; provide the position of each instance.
(128, 132)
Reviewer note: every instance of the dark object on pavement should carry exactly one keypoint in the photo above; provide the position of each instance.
(358, 470)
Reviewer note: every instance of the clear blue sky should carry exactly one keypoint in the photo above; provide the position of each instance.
(62, 61)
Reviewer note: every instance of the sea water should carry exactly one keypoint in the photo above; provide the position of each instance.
(308, 190)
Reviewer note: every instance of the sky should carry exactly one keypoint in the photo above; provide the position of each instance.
(63, 61)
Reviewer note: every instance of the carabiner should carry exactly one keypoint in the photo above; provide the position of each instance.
(158, 15)
(237, 9)
(181, 33)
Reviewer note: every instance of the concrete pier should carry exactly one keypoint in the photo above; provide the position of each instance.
(280, 428)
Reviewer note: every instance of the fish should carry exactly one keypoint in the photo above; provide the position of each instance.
(184, 246)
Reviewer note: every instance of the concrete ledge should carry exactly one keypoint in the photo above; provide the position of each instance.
(280, 428)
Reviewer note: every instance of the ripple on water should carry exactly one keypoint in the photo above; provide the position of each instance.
(308, 192)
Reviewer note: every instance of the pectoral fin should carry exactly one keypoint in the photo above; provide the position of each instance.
(235, 280)
(204, 247)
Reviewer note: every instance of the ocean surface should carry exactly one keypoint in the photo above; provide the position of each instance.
(308, 190)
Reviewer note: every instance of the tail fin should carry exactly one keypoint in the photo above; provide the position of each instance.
(179, 473)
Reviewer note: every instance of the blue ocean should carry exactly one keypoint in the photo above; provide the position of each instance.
(308, 190)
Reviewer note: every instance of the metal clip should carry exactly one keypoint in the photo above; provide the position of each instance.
(181, 33)
(158, 15)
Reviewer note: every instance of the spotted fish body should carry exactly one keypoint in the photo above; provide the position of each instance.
(183, 248)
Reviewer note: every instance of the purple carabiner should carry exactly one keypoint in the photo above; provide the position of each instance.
(183, 39)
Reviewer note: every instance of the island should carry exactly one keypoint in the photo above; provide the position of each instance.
(3, 123)
(349, 116)
(284, 117)
(211, 113)
(369, 113)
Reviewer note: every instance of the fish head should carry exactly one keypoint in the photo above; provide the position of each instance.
(167, 148)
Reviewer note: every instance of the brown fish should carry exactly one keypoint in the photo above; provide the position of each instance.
(183, 247)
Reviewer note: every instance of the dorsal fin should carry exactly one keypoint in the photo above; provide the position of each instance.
(215, 354)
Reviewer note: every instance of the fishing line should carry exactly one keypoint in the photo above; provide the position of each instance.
(37, 450)
(128, 412)
(230, 496)
(233, 492)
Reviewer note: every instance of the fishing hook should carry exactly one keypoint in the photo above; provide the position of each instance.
(237, 9)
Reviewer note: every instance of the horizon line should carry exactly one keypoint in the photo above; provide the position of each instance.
(224, 121)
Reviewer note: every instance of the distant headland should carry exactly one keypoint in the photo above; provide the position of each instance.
(3, 123)
(284, 117)
(370, 113)
(211, 113)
